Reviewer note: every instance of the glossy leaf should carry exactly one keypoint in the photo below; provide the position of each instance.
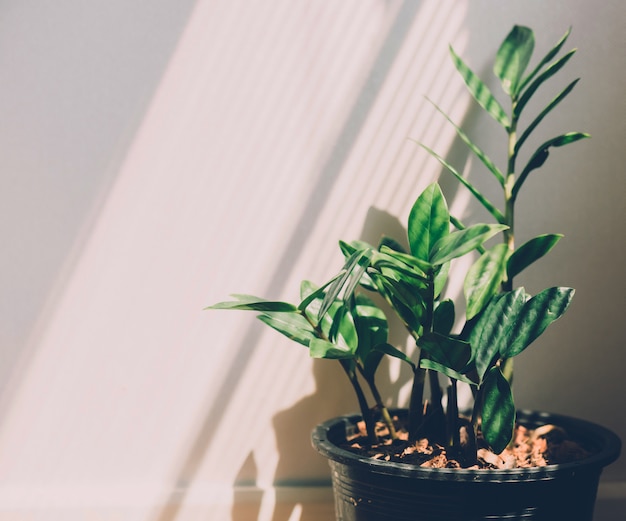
(478, 152)
(529, 252)
(498, 411)
(402, 262)
(480, 91)
(537, 82)
(458, 243)
(491, 208)
(541, 155)
(429, 221)
(252, 303)
(492, 331)
(513, 57)
(293, 325)
(551, 54)
(536, 315)
(483, 279)
(447, 351)
(425, 363)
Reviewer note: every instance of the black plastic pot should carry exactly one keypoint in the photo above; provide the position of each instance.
(372, 490)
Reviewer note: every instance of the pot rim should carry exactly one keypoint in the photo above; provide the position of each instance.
(607, 443)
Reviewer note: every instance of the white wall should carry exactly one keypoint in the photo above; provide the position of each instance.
(157, 156)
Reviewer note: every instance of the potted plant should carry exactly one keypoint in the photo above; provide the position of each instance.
(433, 460)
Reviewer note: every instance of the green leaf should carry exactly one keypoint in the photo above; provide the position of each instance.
(541, 155)
(460, 242)
(551, 54)
(411, 266)
(480, 91)
(529, 252)
(338, 326)
(353, 269)
(491, 208)
(543, 114)
(513, 57)
(443, 317)
(498, 411)
(536, 83)
(429, 221)
(535, 316)
(441, 278)
(406, 302)
(390, 350)
(447, 351)
(493, 330)
(491, 166)
(323, 349)
(483, 279)
(293, 325)
(425, 363)
(252, 303)
(372, 329)
(310, 293)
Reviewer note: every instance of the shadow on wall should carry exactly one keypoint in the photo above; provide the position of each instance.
(293, 426)
(328, 174)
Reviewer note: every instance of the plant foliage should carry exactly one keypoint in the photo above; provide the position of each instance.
(339, 321)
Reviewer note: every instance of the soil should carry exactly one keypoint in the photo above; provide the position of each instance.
(538, 447)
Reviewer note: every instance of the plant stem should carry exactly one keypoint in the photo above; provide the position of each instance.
(366, 413)
(384, 412)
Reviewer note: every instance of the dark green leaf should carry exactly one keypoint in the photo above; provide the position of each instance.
(513, 57)
(535, 316)
(498, 411)
(403, 299)
(480, 91)
(529, 252)
(429, 221)
(443, 317)
(493, 330)
(445, 350)
(252, 303)
(460, 242)
(483, 279)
